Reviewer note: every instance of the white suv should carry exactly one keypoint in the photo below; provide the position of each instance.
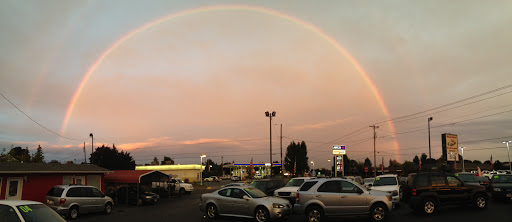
(289, 191)
(182, 187)
(388, 183)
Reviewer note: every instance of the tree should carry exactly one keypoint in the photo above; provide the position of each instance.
(498, 165)
(477, 161)
(416, 160)
(112, 159)
(54, 162)
(155, 161)
(296, 153)
(410, 167)
(20, 154)
(423, 159)
(368, 163)
(167, 161)
(38, 156)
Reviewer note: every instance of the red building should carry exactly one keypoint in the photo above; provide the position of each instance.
(31, 181)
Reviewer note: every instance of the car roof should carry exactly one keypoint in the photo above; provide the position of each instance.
(388, 175)
(72, 185)
(18, 202)
(306, 178)
(329, 179)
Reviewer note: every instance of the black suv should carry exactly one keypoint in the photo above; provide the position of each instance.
(428, 191)
(268, 186)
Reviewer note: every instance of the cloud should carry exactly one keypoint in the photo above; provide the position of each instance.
(320, 125)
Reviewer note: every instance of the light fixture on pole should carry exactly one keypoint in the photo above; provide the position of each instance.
(429, 150)
(201, 169)
(462, 149)
(270, 115)
(313, 168)
(508, 152)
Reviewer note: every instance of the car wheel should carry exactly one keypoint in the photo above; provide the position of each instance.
(182, 191)
(72, 213)
(378, 212)
(480, 201)
(108, 208)
(261, 214)
(211, 211)
(429, 206)
(314, 214)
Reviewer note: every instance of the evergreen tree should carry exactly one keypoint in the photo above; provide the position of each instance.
(416, 160)
(296, 153)
(38, 156)
(112, 159)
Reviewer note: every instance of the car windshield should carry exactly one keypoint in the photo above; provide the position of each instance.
(502, 179)
(467, 177)
(261, 185)
(369, 180)
(55, 192)
(254, 193)
(295, 183)
(38, 213)
(384, 181)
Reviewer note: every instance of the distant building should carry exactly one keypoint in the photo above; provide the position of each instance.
(186, 171)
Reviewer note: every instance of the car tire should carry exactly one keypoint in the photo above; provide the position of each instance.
(480, 201)
(314, 214)
(72, 213)
(182, 191)
(108, 208)
(261, 214)
(211, 211)
(429, 206)
(378, 212)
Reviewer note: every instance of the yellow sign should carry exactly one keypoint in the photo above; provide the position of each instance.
(339, 152)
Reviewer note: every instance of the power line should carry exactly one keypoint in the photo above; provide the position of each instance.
(44, 127)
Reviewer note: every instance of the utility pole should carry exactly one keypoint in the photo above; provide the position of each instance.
(374, 151)
(429, 152)
(282, 165)
(222, 164)
(85, 158)
(270, 114)
(92, 144)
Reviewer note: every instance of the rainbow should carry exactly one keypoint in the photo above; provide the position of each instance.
(250, 8)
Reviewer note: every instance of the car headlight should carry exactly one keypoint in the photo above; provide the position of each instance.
(276, 205)
(497, 189)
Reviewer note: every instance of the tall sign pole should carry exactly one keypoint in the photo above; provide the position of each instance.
(374, 151)
(282, 165)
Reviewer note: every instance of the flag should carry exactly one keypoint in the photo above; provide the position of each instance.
(420, 164)
(479, 172)
(491, 163)
(454, 165)
(382, 165)
(295, 166)
(252, 169)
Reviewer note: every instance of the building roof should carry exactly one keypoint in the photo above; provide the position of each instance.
(136, 176)
(170, 167)
(17, 168)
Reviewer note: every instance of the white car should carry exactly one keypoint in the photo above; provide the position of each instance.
(368, 182)
(388, 183)
(289, 191)
(24, 210)
(182, 187)
(212, 179)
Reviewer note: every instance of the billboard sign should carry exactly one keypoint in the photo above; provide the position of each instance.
(450, 147)
(338, 150)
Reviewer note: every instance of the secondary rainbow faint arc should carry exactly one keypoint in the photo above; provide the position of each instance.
(193, 11)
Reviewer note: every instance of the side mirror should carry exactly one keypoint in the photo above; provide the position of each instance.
(246, 197)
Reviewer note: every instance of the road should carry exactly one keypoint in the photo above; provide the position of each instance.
(186, 208)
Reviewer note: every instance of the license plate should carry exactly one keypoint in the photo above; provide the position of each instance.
(49, 202)
(509, 194)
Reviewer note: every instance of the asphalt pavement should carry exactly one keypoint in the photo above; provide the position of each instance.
(186, 208)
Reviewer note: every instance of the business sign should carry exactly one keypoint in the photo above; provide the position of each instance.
(450, 147)
(338, 150)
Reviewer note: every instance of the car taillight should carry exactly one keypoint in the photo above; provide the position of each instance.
(297, 197)
(414, 192)
(62, 201)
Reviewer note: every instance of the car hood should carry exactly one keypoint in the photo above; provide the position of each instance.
(274, 200)
(287, 189)
(185, 184)
(385, 188)
(379, 193)
(502, 185)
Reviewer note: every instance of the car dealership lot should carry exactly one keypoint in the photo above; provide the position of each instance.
(186, 208)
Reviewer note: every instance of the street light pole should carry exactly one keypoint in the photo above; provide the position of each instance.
(201, 169)
(92, 144)
(508, 152)
(270, 115)
(313, 167)
(462, 149)
(429, 149)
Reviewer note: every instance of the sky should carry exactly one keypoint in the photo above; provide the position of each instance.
(185, 78)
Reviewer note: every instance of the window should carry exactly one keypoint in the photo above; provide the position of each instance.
(438, 180)
(223, 193)
(80, 180)
(237, 193)
(95, 192)
(330, 187)
(452, 181)
(75, 192)
(420, 181)
(55, 192)
(347, 187)
(307, 185)
(13, 188)
(8, 214)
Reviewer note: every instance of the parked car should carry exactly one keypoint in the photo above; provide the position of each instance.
(244, 201)
(71, 200)
(240, 183)
(432, 190)
(468, 178)
(501, 187)
(485, 182)
(235, 178)
(182, 187)
(318, 198)
(212, 179)
(357, 179)
(24, 210)
(368, 182)
(388, 183)
(290, 189)
(129, 195)
(268, 186)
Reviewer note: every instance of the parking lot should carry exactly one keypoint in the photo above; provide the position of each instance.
(186, 208)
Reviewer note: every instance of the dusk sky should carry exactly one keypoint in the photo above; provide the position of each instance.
(182, 78)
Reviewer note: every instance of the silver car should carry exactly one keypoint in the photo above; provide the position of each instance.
(340, 197)
(244, 201)
(70, 200)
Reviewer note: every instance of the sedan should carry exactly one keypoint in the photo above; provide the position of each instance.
(244, 201)
(23, 210)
